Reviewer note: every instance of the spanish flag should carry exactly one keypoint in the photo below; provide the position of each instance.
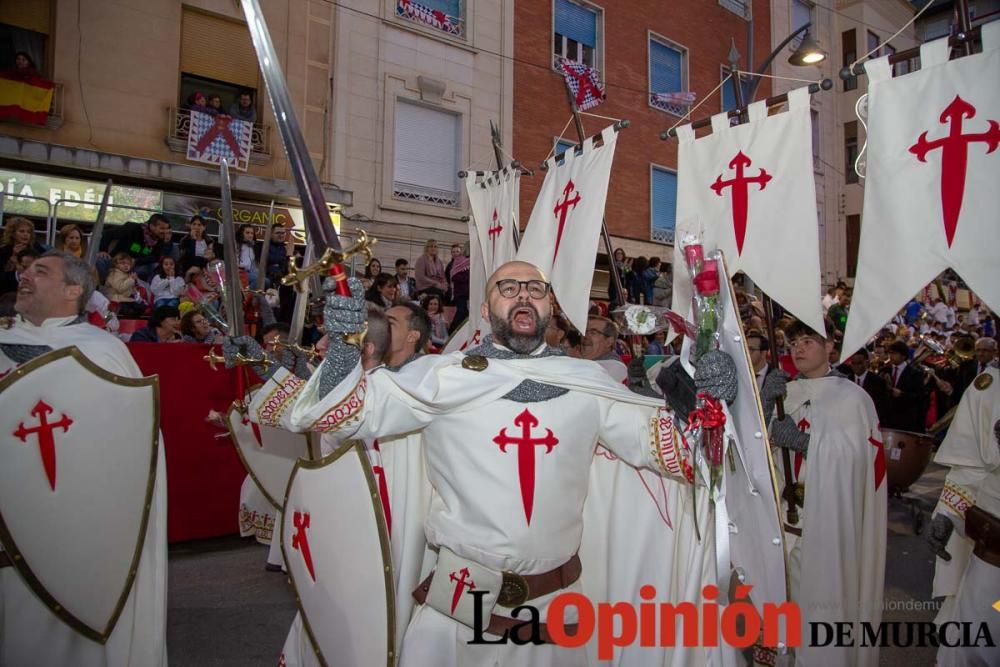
(25, 98)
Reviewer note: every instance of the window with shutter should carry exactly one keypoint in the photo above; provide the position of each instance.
(663, 199)
(448, 16)
(426, 160)
(562, 145)
(667, 74)
(851, 151)
(24, 26)
(217, 48)
(575, 32)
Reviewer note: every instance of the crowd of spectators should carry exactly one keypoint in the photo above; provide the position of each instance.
(242, 109)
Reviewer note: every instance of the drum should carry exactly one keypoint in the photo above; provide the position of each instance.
(906, 456)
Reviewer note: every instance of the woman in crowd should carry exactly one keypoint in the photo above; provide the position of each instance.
(429, 272)
(163, 327)
(70, 239)
(371, 271)
(457, 273)
(195, 328)
(24, 67)
(439, 325)
(120, 287)
(196, 248)
(18, 235)
(623, 264)
(167, 287)
(384, 291)
(248, 254)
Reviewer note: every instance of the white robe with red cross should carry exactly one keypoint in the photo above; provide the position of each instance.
(488, 506)
(970, 585)
(837, 566)
(29, 633)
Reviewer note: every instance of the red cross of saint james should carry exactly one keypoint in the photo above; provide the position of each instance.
(740, 198)
(562, 210)
(461, 582)
(526, 455)
(300, 541)
(45, 432)
(220, 128)
(954, 157)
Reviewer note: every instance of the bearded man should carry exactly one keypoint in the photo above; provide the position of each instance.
(503, 513)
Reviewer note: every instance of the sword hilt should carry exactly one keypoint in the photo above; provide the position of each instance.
(331, 263)
(239, 360)
(309, 352)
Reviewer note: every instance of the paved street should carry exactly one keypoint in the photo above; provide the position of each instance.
(225, 609)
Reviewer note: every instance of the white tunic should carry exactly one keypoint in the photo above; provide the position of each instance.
(837, 566)
(969, 585)
(482, 508)
(29, 633)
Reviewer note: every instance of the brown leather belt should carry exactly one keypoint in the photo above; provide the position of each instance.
(517, 589)
(793, 530)
(984, 529)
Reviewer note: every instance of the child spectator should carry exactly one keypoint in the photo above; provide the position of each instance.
(167, 287)
(248, 255)
(120, 287)
(439, 326)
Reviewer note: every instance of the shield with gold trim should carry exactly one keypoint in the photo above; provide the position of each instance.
(336, 548)
(75, 485)
(268, 454)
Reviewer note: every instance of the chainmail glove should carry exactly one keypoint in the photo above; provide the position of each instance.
(786, 433)
(250, 348)
(344, 314)
(939, 534)
(295, 362)
(678, 388)
(716, 376)
(774, 387)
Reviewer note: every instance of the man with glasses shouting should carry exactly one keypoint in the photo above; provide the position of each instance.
(509, 429)
(836, 548)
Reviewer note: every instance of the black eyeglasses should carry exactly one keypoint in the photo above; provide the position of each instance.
(510, 288)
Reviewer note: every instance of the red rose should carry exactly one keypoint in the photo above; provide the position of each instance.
(694, 254)
(707, 282)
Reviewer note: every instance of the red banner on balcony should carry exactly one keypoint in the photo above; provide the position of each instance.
(213, 138)
(25, 98)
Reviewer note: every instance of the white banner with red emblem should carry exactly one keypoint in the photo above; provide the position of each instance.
(494, 198)
(932, 171)
(565, 225)
(749, 191)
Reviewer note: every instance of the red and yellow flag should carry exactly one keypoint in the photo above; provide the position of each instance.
(25, 98)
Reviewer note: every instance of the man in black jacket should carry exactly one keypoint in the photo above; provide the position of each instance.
(906, 404)
(144, 241)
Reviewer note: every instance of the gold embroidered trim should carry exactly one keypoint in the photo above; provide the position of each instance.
(344, 411)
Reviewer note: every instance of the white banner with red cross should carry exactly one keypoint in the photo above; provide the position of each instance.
(212, 138)
(749, 191)
(930, 189)
(565, 225)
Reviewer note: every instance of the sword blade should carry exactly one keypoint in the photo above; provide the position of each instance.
(301, 309)
(230, 248)
(262, 265)
(314, 208)
(94, 245)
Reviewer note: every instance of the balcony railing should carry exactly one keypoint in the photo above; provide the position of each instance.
(660, 235)
(55, 119)
(424, 195)
(179, 127)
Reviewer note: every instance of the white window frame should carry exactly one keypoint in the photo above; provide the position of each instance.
(673, 109)
(653, 167)
(598, 64)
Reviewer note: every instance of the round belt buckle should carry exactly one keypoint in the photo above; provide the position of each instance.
(513, 590)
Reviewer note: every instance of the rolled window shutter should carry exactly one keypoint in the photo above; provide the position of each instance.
(576, 22)
(217, 48)
(664, 200)
(665, 74)
(426, 147)
(26, 14)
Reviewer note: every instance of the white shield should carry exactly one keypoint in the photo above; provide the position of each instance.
(75, 486)
(336, 548)
(268, 454)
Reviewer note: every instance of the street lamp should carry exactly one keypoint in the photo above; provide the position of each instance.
(807, 53)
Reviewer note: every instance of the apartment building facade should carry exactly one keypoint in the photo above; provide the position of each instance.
(641, 48)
